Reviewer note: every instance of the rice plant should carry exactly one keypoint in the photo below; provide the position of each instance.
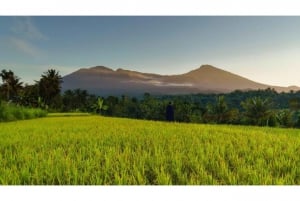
(95, 150)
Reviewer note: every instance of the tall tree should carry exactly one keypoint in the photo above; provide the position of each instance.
(16, 86)
(30, 95)
(257, 110)
(220, 112)
(219, 109)
(11, 83)
(50, 86)
(75, 100)
(294, 104)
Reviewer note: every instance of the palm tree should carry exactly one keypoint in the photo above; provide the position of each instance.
(50, 85)
(15, 85)
(6, 75)
(257, 110)
(99, 106)
(11, 83)
(220, 109)
(220, 112)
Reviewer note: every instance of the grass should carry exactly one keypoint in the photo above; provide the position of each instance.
(68, 114)
(110, 151)
(11, 112)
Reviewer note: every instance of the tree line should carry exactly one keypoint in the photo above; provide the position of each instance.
(256, 107)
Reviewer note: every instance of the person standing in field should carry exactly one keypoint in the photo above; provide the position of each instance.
(170, 112)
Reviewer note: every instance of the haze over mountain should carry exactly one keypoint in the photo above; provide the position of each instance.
(104, 81)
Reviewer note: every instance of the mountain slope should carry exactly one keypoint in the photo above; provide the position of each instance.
(206, 79)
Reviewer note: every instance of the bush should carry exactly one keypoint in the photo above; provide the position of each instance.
(10, 112)
(18, 113)
(28, 114)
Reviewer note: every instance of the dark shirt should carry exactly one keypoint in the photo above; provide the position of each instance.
(170, 113)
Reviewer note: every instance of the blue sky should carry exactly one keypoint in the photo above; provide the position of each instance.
(264, 49)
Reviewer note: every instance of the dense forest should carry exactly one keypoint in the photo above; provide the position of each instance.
(259, 107)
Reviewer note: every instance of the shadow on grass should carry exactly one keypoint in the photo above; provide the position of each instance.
(68, 114)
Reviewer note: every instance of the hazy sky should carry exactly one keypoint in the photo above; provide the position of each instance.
(263, 49)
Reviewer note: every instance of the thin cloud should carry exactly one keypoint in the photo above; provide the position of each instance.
(162, 83)
(25, 47)
(25, 27)
(25, 33)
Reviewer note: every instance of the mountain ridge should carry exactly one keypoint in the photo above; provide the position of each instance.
(102, 80)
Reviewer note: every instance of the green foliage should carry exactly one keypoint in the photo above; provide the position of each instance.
(96, 150)
(220, 112)
(68, 114)
(11, 84)
(49, 87)
(294, 103)
(254, 107)
(190, 109)
(28, 96)
(257, 110)
(152, 109)
(285, 118)
(41, 104)
(78, 100)
(11, 112)
(182, 111)
(99, 105)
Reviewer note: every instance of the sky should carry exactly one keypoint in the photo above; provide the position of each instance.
(265, 49)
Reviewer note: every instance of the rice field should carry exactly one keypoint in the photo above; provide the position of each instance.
(95, 150)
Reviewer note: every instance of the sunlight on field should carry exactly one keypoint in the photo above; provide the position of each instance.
(99, 150)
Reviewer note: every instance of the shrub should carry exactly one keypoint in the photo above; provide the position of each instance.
(10, 112)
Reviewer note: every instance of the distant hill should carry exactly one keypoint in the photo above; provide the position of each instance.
(104, 81)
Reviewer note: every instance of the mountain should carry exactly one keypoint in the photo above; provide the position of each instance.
(104, 81)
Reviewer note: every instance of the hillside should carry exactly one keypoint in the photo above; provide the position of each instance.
(206, 79)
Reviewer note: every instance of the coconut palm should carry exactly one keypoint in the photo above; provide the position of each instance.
(11, 83)
(220, 112)
(50, 85)
(257, 110)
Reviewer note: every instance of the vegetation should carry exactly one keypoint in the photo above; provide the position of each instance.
(257, 111)
(101, 150)
(49, 87)
(10, 112)
(68, 114)
(99, 106)
(260, 107)
(11, 84)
